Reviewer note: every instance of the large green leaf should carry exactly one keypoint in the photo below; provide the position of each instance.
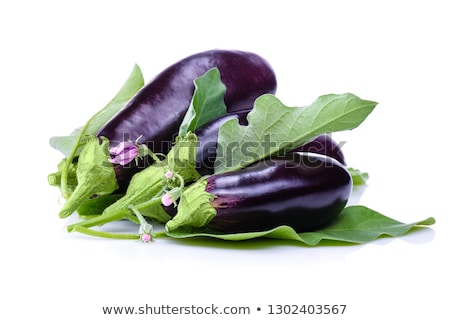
(358, 177)
(273, 127)
(356, 224)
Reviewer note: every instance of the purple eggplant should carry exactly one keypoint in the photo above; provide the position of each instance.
(303, 190)
(155, 113)
(323, 144)
(157, 110)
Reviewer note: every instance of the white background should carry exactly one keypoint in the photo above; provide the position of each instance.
(61, 61)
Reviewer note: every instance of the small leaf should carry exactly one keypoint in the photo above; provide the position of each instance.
(273, 127)
(356, 224)
(207, 102)
(65, 144)
(358, 177)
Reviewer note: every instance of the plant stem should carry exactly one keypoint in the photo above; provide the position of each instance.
(99, 220)
(104, 234)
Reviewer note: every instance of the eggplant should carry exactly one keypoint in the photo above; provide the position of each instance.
(157, 110)
(323, 144)
(302, 190)
(155, 113)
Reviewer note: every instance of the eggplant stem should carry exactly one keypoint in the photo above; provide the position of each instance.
(145, 229)
(99, 220)
(81, 194)
(54, 179)
(144, 150)
(104, 234)
(181, 179)
(138, 215)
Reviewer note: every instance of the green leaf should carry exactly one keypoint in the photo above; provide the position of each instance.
(207, 102)
(65, 144)
(273, 127)
(356, 224)
(131, 86)
(74, 142)
(134, 82)
(358, 177)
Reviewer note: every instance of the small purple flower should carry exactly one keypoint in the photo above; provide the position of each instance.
(166, 200)
(146, 237)
(171, 196)
(123, 153)
(169, 174)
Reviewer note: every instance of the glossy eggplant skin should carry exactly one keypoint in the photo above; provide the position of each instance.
(157, 110)
(323, 144)
(304, 190)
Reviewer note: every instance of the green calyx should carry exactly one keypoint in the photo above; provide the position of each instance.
(143, 196)
(94, 174)
(182, 158)
(194, 209)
